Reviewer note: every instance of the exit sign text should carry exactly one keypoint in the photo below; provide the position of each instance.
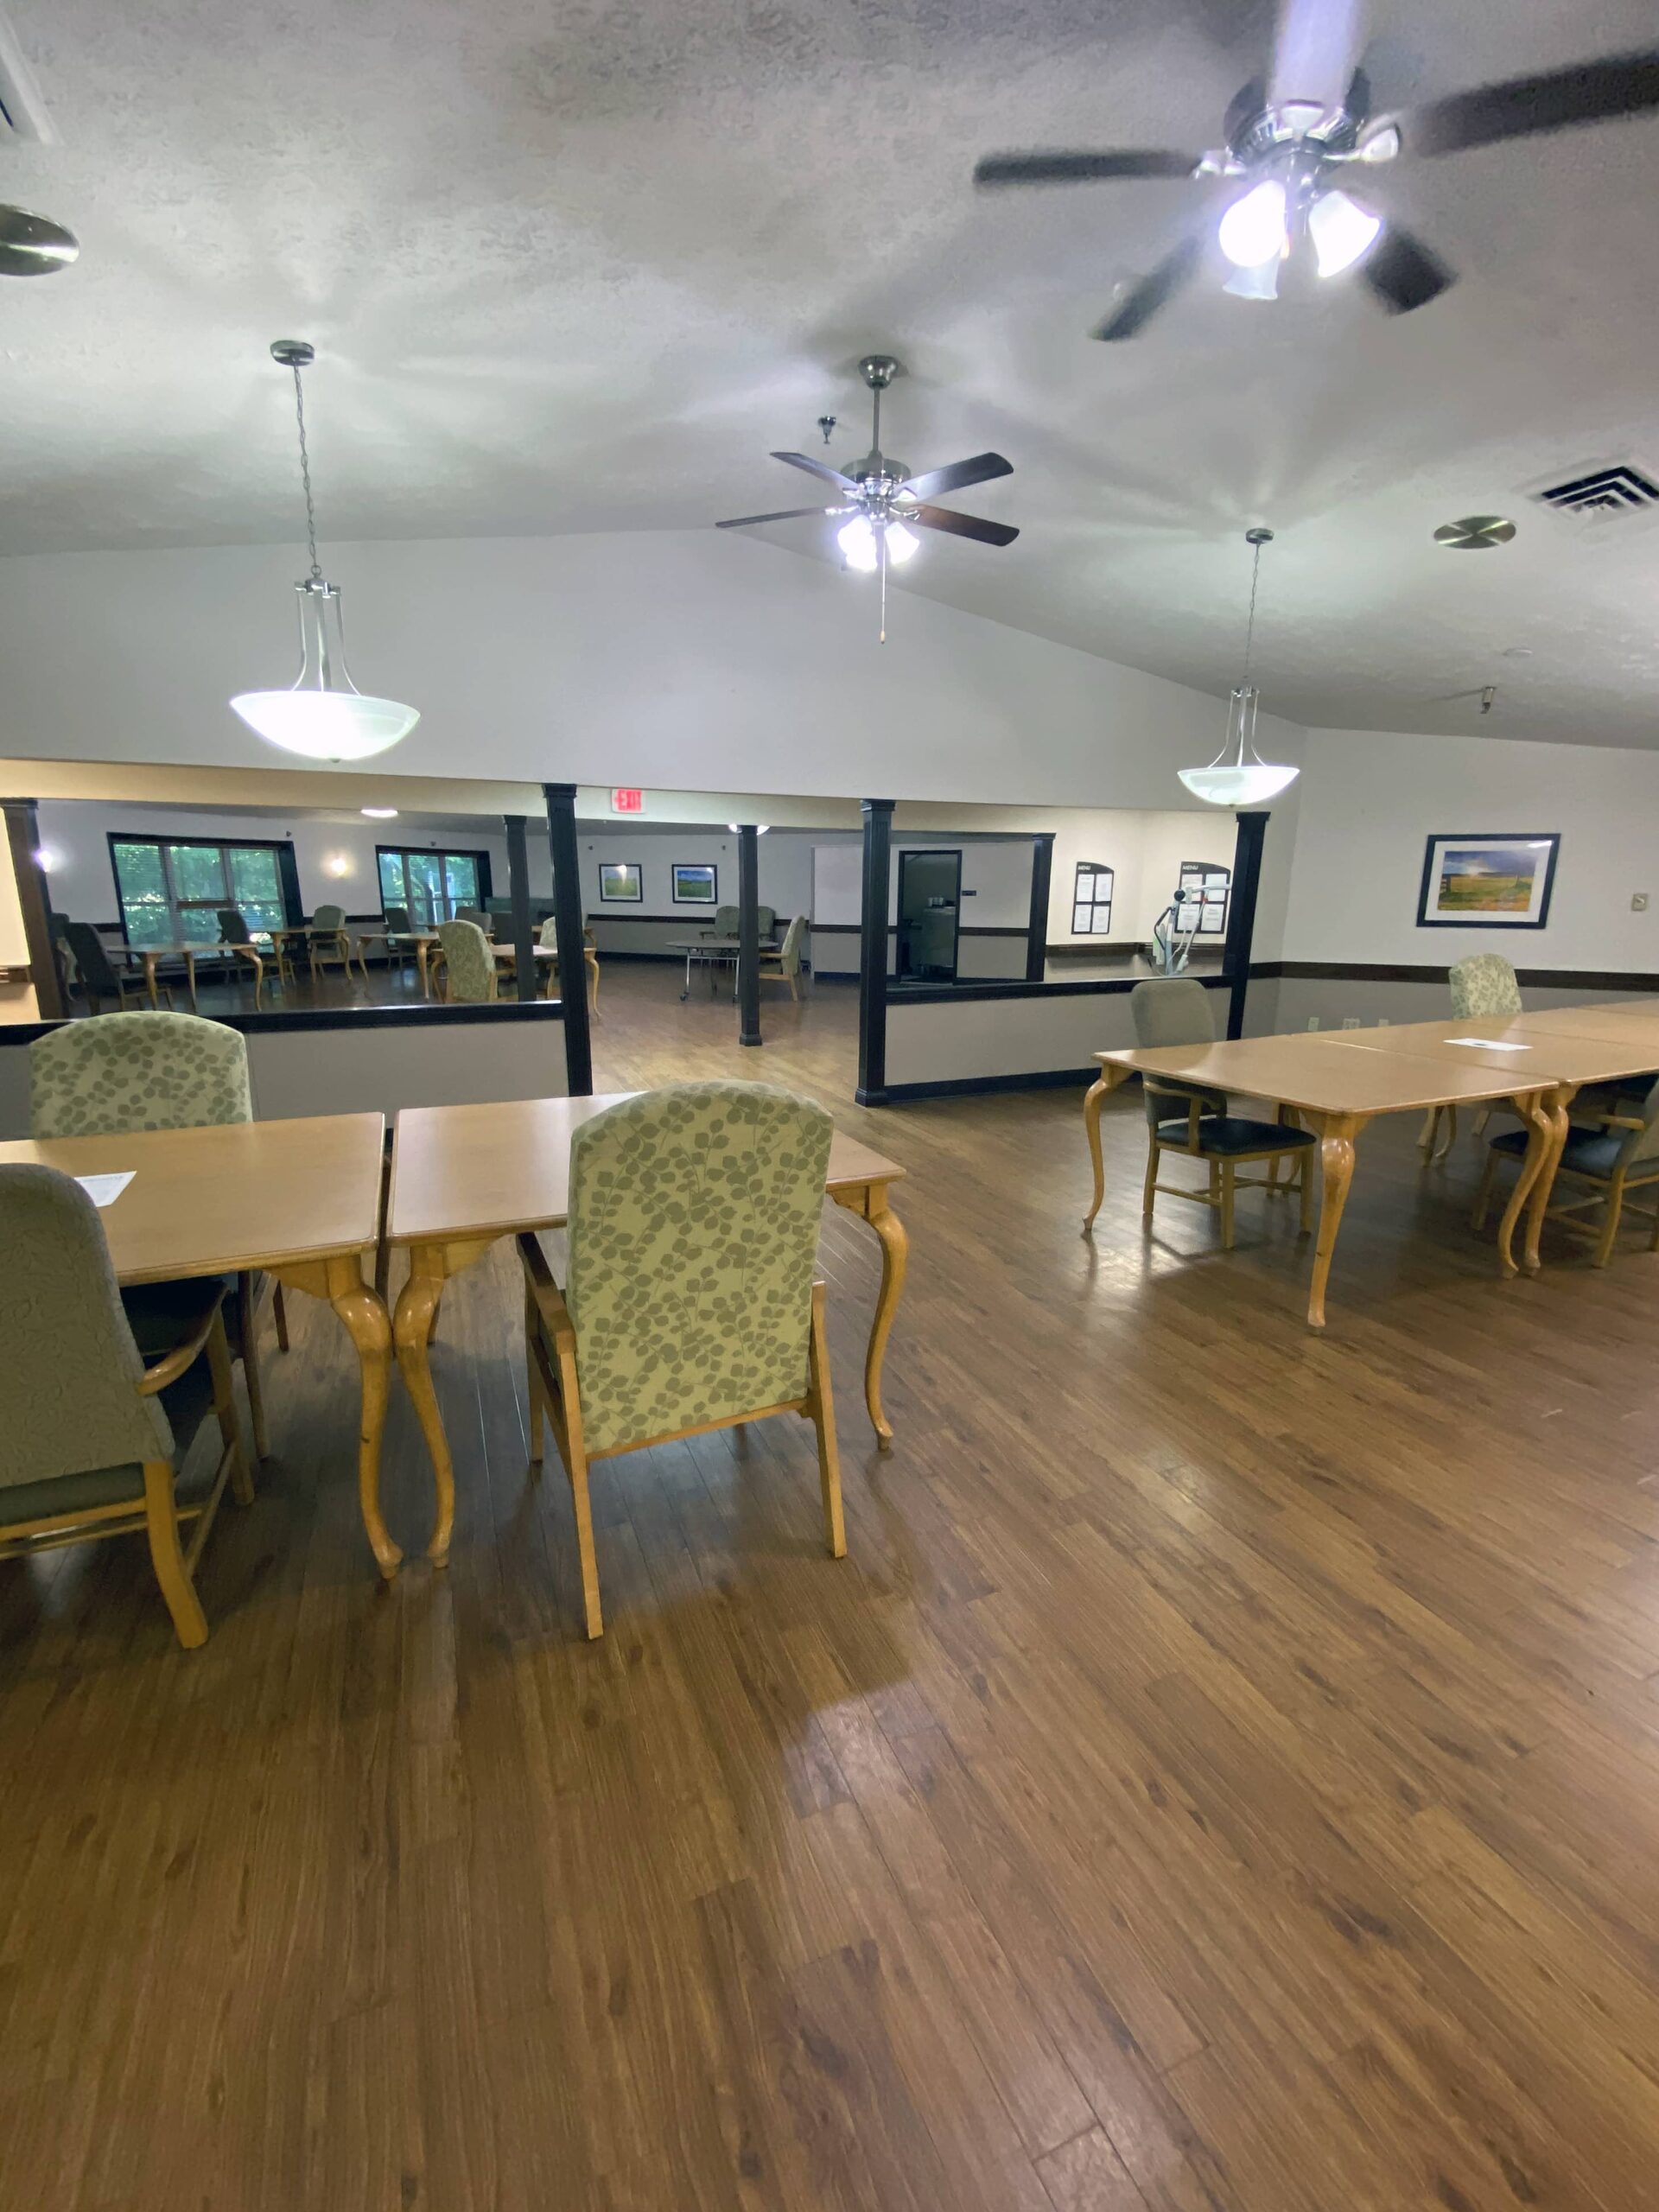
(628, 802)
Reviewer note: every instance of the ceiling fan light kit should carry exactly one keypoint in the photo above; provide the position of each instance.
(1238, 776)
(322, 715)
(883, 504)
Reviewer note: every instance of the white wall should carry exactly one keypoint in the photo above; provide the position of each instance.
(783, 872)
(1370, 801)
(685, 659)
(1144, 847)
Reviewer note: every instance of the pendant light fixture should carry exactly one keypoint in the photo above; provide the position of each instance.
(1238, 776)
(323, 716)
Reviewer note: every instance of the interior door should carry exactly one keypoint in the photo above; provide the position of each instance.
(929, 912)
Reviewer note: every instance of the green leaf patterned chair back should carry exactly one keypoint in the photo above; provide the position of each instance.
(693, 1238)
(136, 1071)
(468, 960)
(89, 1443)
(1482, 987)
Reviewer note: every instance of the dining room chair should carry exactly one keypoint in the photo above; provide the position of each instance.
(99, 976)
(329, 939)
(477, 915)
(784, 966)
(1620, 1155)
(1484, 989)
(725, 922)
(238, 940)
(93, 1441)
(395, 931)
(469, 969)
(155, 1071)
(547, 937)
(692, 1299)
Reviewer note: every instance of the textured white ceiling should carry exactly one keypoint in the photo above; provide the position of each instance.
(578, 266)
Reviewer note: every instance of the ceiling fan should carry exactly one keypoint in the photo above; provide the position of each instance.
(30, 245)
(34, 246)
(883, 504)
(1292, 156)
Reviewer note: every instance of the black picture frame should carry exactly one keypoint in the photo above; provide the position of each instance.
(634, 871)
(1484, 918)
(705, 871)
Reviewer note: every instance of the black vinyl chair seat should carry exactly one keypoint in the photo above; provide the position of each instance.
(1587, 1151)
(1220, 1134)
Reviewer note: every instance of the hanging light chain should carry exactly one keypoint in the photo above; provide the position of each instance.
(1258, 539)
(305, 476)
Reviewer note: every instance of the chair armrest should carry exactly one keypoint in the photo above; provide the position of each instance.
(549, 1299)
(183, 1356)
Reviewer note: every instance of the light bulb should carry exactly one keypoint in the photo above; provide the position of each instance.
(1241, 783)
(1341, 230)
(901, 542)
(857, 541)
(326, 725)
(1253, 229)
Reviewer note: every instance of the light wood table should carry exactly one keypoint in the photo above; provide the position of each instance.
(1337, 1086)
(152, 956)
(298, 1200)
(463, 1177)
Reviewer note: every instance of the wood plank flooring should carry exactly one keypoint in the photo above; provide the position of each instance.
(1224, 1777)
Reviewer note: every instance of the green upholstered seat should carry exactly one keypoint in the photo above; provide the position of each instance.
(693, 1238)
(1220, 1134)
(468, 960)
(136, 1071)
(1483, 985)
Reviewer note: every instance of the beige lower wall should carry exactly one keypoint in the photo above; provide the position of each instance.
(1043, 1035)
(1279, 1003)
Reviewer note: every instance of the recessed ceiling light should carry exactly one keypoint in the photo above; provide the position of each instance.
(1476, 533)
(381, 813)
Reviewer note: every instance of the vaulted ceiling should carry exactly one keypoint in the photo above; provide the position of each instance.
(578, 267)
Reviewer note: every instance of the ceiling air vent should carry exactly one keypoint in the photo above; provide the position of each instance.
(1605, 494)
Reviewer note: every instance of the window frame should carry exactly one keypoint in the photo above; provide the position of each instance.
(287, 876)
(443, 855)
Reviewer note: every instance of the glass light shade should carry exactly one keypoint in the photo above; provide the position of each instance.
(901, 542)
(1261, 283)
(324, 715)
(1238, 781)
(857, 541)
(1253, 229)
(1341, 230)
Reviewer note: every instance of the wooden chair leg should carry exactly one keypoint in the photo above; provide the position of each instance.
(1150, 1193)
(167, 1555)
(219, 1360)
(1481, 1119)
(1307, 1191)
(245, 1304)
(532, 1322)
(576, 1468)
(1484, 1196)
(1613, 1206)
(1426, 1135)
(1229, 1188)
(822, 1411)
(279, 1314)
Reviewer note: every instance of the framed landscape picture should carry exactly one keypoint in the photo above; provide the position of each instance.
(1488, 880)
(623, 880)
(695, 884)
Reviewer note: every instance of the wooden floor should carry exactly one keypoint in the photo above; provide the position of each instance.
(1224, 1777)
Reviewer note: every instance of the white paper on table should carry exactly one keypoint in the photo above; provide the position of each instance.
(104, 1189)
(1489, 1044)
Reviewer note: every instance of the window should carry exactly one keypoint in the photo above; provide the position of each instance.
(1091, 900)
(431, 884)
(170, 890)
(1210, 885)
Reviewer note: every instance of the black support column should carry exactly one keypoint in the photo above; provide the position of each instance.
(524, 935)
(873, 952)
(34, 898)
(567, 923)
(1241, 915)
(1042, 876)
(748, 934)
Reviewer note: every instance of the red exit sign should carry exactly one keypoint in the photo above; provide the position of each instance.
(628, 802)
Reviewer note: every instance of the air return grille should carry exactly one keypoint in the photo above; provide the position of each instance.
(1605, 494)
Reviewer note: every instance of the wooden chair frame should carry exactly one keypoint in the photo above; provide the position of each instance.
(1607, 1191)
(555, 1398)
(1224, 1180)
(325, 945)
(772, 970)
(160, 1515)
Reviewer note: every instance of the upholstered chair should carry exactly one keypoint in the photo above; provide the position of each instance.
(784, 966)
(725, 922)
(99, 976)
(469, 964)
(1183, 1117)
(154, 1072)
(330, 940)
(692, 1301)
(91, 1440)
(1484, 989)
(1621, 1155)
(548, 939)
(238, 940)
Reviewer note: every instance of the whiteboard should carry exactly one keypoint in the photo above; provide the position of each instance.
(838, 883)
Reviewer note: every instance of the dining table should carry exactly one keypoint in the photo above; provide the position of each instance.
(713, 952)
(1336, 1082)
(465, 1177)
(299, 1199)
(150, 957)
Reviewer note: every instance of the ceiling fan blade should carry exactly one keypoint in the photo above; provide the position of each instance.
(978, 470)
(975, 526)
(1081, 168)
(1243, 109)
(34, 246)
(783, 514)
(1143, 299)
(1357, 100)
(817, 468)
(1594, 91)
(1402, 271)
